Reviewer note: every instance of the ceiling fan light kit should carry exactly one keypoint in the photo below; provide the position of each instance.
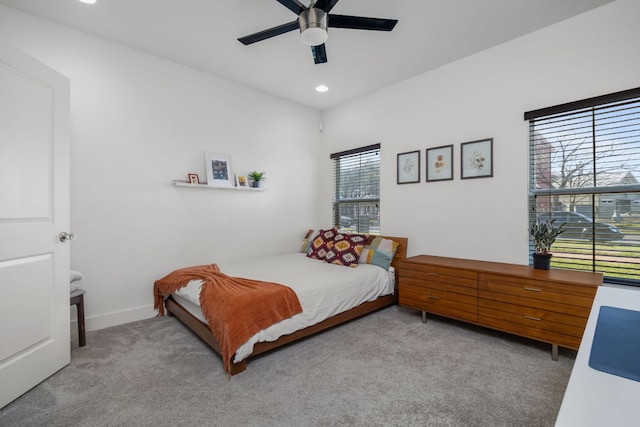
(313, 22)
(313, 26)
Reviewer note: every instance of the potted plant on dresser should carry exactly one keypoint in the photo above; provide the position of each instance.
(257, 178)
(544, 234)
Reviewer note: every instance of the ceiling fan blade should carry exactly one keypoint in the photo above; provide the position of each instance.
(293, 5)
(361, 23)
(271, 32)
(325, 5)
(319, 54)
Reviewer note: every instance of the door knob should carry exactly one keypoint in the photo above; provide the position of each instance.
(64, 236)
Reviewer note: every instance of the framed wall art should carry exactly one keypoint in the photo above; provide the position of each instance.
(218, 170)
(476, 159)
(439, 162)
(193, 178)
(409, 167)
(242, 181)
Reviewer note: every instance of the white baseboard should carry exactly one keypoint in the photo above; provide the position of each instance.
(113, 319)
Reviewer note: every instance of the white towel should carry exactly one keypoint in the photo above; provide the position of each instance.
(75, 279)
(76, 276)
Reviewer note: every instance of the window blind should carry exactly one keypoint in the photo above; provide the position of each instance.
(356, 190)
(584, 172)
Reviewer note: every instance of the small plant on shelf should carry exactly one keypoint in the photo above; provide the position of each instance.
(257, 178)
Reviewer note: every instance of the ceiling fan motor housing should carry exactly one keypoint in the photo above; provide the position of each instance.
(313, 26)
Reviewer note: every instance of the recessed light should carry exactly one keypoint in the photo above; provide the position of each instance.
(322, 88)
(88, 1)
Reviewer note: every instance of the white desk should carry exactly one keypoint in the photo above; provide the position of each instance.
(595, 398)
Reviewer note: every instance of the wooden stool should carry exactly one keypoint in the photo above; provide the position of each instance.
(77, 299)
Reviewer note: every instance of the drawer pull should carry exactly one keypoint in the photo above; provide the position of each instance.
(433, 274)
(433, 297)
(532, 289)
(532, 318)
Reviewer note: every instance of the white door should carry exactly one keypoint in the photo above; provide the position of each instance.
(34, 210)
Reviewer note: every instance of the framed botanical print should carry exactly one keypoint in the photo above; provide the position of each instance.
(409, 167)
(218, 170)
(439, 162)
(476, 159)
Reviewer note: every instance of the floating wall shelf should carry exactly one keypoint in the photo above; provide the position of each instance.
(179, 183)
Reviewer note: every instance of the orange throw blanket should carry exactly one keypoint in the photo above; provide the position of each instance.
(235, 308)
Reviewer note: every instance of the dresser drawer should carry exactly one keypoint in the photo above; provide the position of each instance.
(446, 303)
(531, 328)
(552, 296)
(536, 317)
(539, 289)
(439, 277)
(441, 283)
(556, 303)
(451, 292)
(423, 270)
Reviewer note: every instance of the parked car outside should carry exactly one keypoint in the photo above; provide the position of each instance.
(346, 221)
(579, 226)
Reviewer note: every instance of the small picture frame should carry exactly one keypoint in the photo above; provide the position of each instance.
(218, 170)
(193, 178)
(409, 167)
(439, 162)
(476, 159)
(242, 181)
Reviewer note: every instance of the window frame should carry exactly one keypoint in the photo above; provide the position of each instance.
(595, 191)
(338, 202)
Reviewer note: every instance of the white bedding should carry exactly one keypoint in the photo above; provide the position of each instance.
(323, 289)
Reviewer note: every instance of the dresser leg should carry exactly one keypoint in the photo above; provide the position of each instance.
(424, 316)
(554, 352)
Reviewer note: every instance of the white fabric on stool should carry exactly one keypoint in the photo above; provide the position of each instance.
(75, 279)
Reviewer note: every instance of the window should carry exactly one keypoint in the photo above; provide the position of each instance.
(584, 171)
(356, 184)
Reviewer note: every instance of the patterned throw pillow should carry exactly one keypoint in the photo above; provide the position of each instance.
(308, 238)
(346, 249)
(322, 244)
(379, 252)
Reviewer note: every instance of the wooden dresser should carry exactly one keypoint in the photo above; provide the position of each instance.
(547, 305)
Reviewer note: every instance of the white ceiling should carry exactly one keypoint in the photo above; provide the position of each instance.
(203, 34)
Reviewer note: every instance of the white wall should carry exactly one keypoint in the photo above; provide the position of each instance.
(483, 96)
(138, 122)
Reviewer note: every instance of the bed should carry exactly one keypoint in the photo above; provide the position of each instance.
(328, 294)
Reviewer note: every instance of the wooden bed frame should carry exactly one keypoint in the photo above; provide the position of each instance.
(201, 329)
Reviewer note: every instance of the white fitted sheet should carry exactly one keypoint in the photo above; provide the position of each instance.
(323, 289)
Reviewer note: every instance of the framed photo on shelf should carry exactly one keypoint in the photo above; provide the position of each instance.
(193, 178)
(409, 167)
(242, 181)
(476, 159)
(218, 170)
(439, 162)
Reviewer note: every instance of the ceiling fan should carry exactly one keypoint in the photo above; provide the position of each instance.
(313, 22)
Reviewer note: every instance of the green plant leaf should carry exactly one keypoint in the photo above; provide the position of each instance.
(544, 234)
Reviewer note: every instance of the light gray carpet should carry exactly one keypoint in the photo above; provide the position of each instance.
(385, 369)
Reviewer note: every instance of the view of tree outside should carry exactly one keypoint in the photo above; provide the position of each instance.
(356, 201)
(584, 172)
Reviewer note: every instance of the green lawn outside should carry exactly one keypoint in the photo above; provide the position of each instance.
(625, 266)
(584, 247)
